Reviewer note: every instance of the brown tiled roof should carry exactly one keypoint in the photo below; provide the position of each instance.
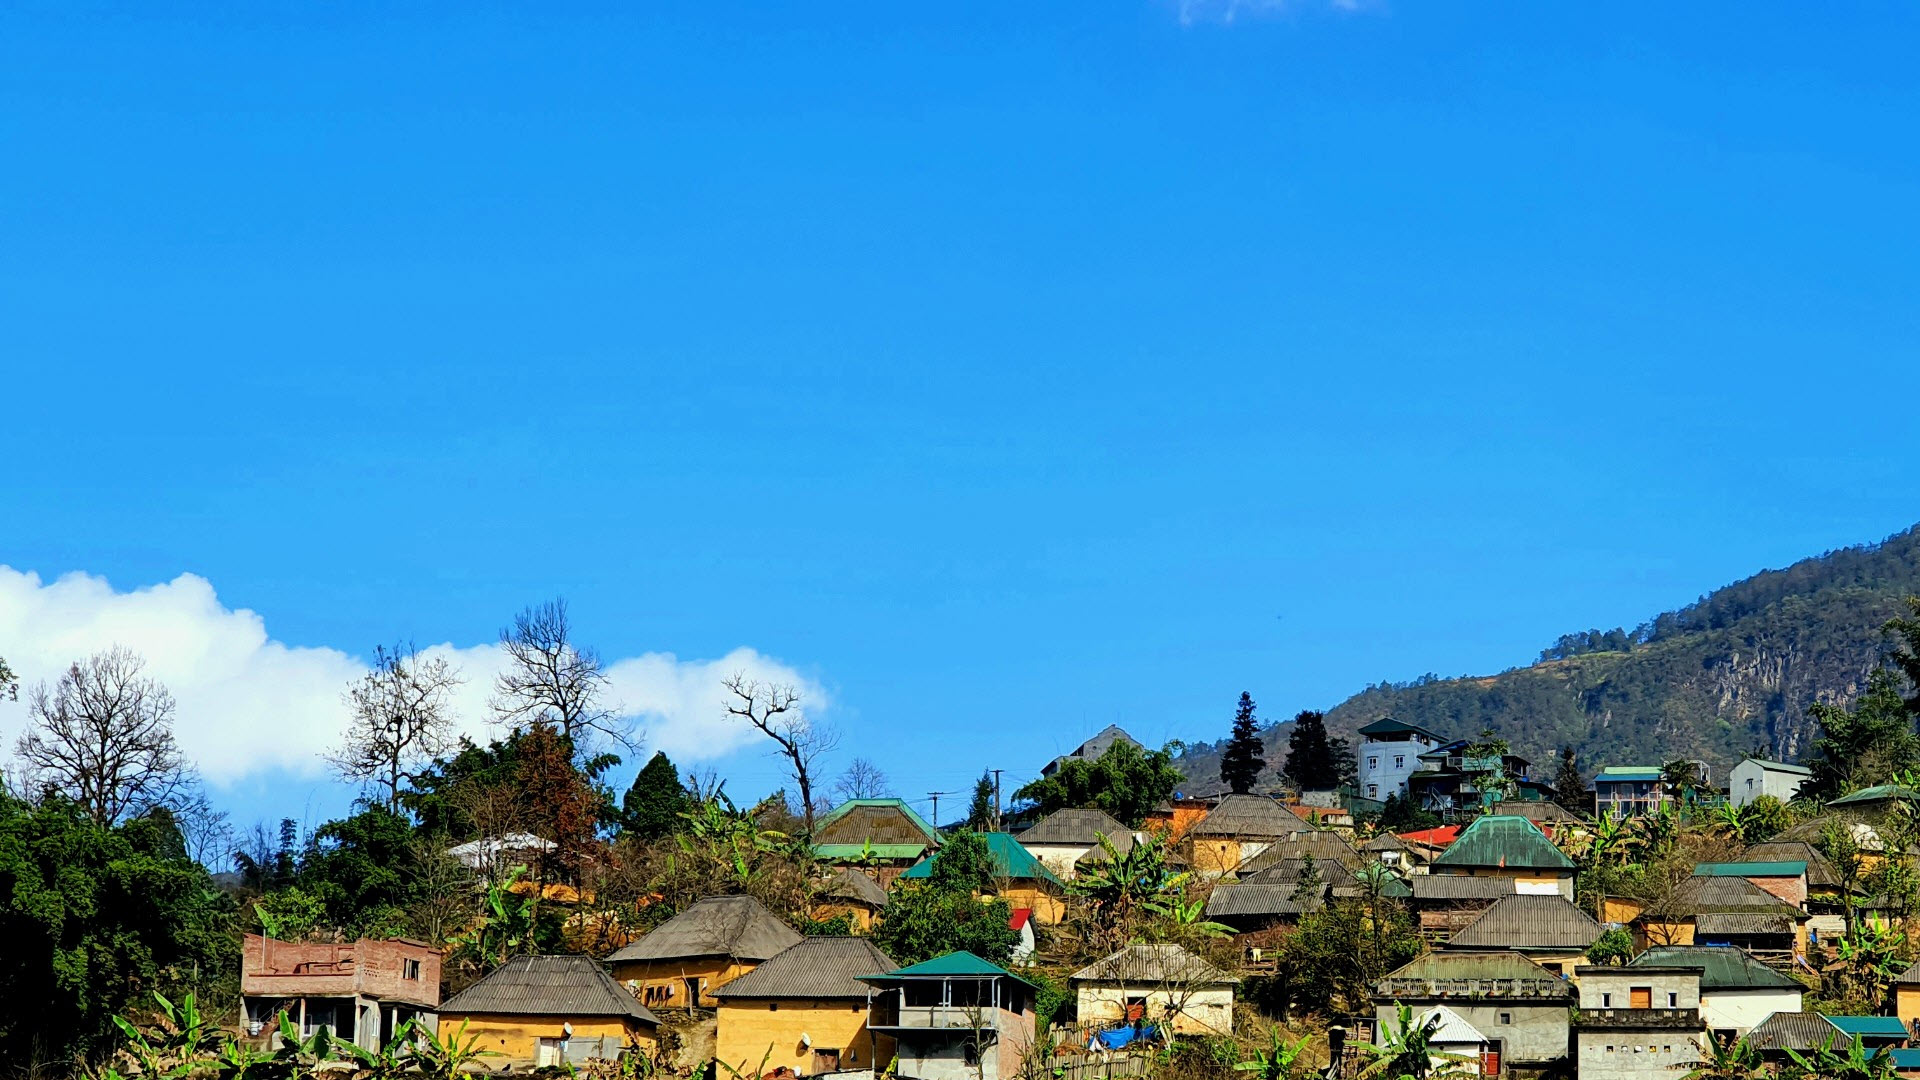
(1538, 811)
(1820, 871)
(1739, 922)
(1325, 847)
(736, 926)
(1530, 922)
(1246, 901)
(1700, 895)
(1253, 817)
(1289, 871)
(818, 967)
(547, 986)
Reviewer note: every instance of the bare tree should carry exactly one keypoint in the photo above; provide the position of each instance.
(103, 736)
(549, 679)
(862, 780)
(402, 714)
(774, 709)
(205, 832)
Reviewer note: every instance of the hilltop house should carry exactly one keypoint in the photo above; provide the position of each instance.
(1637, 1022)
(1717, 911)
(1061, 839)
(1389, 753)
(685, 959)
(1446, 903)
(883, 835)
(850, 893)
(550, 1011)
(1753, 778)
(1236, 830)
(1322, 846)
(1021, 879)
(1161, 984)
(362, 991)
(1548, 930)
(1092, 749)
(1509, 848)
(955, 1017)
(804, 1010)
(1518, 1007)
(1737, 992)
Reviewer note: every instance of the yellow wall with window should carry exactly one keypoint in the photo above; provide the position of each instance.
(753, 1029)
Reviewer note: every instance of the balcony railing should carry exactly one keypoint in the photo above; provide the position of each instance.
(1642, 1019)
(931, 1016)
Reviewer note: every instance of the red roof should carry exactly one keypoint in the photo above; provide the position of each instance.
(1440, 837)
(1020, 917)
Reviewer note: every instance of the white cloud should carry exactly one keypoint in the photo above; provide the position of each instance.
(249, 703)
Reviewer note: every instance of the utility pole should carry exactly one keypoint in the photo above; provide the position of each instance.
(935, 796)
(996, 800)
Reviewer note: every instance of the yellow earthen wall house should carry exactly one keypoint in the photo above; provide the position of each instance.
(518, 1038)
(679, 984)
(835, 1034)
(545, 1010)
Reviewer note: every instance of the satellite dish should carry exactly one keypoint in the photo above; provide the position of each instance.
(567, 1029)
(806, 1041)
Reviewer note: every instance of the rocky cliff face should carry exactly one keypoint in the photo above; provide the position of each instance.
(1730, 674)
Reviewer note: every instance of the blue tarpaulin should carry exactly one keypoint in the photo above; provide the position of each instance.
(1121, 1037)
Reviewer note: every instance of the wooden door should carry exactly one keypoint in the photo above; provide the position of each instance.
(1641, 997)
(1490, 1060)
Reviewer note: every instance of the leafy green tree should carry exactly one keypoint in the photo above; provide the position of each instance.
(1683, 777)
(1851, 1061)
(359, 868)
(1569, 787)
(1245, 755)
(1865, 745)
(1613, 946)
(1126, 781)
(943, 914)
(1402, 814)
(93, 916)
(656, 805)
(1279, 1060)
(980, 812)
(1313, 761)
(1763, 819)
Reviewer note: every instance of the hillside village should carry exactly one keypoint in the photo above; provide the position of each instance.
(1419, 904)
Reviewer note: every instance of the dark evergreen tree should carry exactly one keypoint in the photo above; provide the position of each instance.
(1244, 756)
(1569, 787)
(980, 811)
(1313, 760)
(653, 805)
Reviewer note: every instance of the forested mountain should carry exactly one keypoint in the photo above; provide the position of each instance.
(1732, 672)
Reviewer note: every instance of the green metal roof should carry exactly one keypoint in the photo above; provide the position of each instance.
(1387, 725)
(1629, 772)
(1750, 869)
(1010, 860)
(879, 851)
(1723, 967)
(1877, 793)
(900, 805)
(1780, 766)
(1889, 1027)
(1504, 841)
(960, 964)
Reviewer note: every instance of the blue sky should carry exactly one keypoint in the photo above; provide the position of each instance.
(1000, 370)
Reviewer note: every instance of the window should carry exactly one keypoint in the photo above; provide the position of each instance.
(1373, 763)
(773, 1006)
(1606, 1001)
(1506, 1018)
(1673, 1001)
(410, 969)
(1373, 791)
(1399, 763)
(1610, 1050)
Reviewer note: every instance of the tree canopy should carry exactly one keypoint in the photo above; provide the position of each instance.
(1245, 755)
(1126, 781)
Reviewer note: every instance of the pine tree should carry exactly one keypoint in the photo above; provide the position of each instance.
(1313, 760)
(1569, 787)
(1244, 757)
(980, 811)
(653, 805)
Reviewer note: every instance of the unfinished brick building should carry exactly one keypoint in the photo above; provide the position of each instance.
(363, 991)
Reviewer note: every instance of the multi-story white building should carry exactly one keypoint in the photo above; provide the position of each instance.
(1389, 753)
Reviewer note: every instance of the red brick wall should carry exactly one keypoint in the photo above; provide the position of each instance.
(1791, 889)
(270, 968)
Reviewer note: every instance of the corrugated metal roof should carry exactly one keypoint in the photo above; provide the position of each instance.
(1252, 817)
(1503, 840)
(1074, 827)
(1437, 887)
(1487, 966)
(960, 964)
(1249, 901)
(1324, 846)
(1530, 922)
(877, 821)
(1884, 1027)
(1750, 869)
(736, 926)
(818, 967)
(1820, 871)
(1010, 860)
(1713, 923)
(1792, 1031)
(1618, 773)
(1289, 871)
(1780, 766)
(1156, 964)
(546, 986)
(1092, 749)
(1726, 895)
(1722, 967)
(1879, 793)
(846, 883)
(1537, 810)
(1386, 841)
(1387, 725)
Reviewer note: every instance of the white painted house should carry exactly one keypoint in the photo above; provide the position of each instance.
(1063, 838)
(1753, 778)
(1158, 984)
(1737, 992)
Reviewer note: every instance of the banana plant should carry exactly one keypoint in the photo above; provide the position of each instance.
(1280, 1060)
(178, 1043)
(445, 1057)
